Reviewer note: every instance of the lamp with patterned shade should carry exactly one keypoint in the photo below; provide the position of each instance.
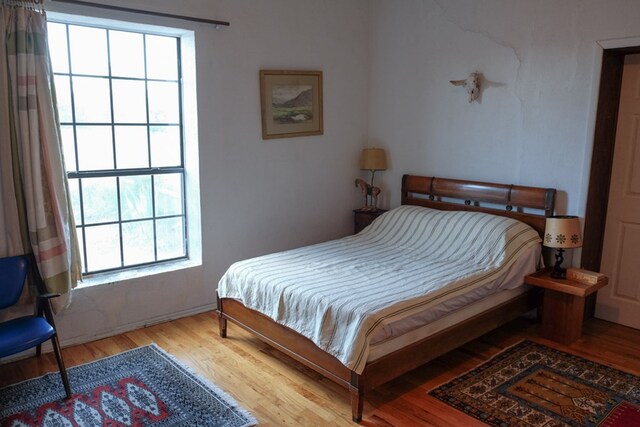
(562, 232)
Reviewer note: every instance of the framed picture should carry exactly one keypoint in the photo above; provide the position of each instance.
(291, 103)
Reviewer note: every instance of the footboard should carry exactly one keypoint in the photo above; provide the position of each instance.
(380, 370)
(284, 339)
(293, 345)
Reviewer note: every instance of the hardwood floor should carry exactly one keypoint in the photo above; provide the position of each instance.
(280, 392)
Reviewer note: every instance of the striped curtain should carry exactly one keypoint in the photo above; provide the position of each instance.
(36, 215)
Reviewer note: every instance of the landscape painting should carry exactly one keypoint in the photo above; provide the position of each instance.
(291, 103)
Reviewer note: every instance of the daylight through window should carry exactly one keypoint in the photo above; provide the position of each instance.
(119, 102)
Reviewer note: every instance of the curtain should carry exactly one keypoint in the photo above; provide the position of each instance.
(36, 215)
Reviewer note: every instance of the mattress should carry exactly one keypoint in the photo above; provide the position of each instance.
(342, 294)
(446, 320)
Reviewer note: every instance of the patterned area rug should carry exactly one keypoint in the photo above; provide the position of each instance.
(141, 387)
(530, 384)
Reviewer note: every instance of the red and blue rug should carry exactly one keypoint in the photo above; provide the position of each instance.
(534, 385)
(141, 387)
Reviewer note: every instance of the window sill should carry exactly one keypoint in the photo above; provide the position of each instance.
(136, 273)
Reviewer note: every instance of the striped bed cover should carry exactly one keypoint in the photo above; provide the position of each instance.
(340, 293)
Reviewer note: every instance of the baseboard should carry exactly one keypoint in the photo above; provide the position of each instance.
(82, 339)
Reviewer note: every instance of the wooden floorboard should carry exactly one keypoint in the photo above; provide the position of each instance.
(281, 392)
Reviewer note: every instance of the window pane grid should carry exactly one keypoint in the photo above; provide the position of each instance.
(120, 223)
(112, 240)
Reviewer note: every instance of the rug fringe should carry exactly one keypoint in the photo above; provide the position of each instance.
(228, 399)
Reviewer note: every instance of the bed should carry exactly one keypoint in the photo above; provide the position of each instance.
(419, 294)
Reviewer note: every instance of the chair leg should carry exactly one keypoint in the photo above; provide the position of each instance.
(63, 370)
(38, 350)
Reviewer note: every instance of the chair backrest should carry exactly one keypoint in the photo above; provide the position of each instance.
(13, 272)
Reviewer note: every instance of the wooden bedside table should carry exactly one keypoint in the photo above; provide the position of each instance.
(563, 305)
(362, 218)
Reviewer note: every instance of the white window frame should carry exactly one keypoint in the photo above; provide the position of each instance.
(190, 147)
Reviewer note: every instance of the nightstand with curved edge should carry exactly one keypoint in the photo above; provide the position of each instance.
(563, 305)
(362, 218)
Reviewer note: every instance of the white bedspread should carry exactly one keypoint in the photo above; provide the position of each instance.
(340, 293)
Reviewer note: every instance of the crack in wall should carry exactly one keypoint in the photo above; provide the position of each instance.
(489, 37)
(516, 54)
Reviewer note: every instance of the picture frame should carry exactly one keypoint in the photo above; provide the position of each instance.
(291, 103)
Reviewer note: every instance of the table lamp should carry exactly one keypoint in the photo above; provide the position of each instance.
(373, 159)
(561, 232)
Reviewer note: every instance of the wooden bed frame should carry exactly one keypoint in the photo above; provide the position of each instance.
(437, 193)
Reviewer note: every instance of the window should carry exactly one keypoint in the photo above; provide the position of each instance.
(119, 100)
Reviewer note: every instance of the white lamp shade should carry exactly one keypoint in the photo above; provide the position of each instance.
(562, 232)
(373, 159)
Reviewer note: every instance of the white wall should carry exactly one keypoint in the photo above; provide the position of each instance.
(534, 123)
(257, 196)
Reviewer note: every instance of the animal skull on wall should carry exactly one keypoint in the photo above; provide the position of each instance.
(471, 84)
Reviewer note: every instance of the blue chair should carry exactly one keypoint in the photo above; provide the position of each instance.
(23, 333)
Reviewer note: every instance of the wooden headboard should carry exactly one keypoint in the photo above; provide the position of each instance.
(462, 195)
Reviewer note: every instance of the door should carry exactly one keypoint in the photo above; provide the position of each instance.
(620, 301)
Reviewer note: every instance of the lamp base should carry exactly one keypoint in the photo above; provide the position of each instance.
(558, 272)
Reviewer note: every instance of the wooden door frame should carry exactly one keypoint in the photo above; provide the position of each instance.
(602, 159)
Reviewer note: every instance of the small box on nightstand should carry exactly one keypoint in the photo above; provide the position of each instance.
(585, 276)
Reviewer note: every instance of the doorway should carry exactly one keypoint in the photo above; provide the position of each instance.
(619, 302)
(602, 159)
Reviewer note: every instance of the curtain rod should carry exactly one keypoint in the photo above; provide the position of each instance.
(145, 12)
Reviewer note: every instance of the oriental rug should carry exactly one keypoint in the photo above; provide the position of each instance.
(531, 384)
(141, 387)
